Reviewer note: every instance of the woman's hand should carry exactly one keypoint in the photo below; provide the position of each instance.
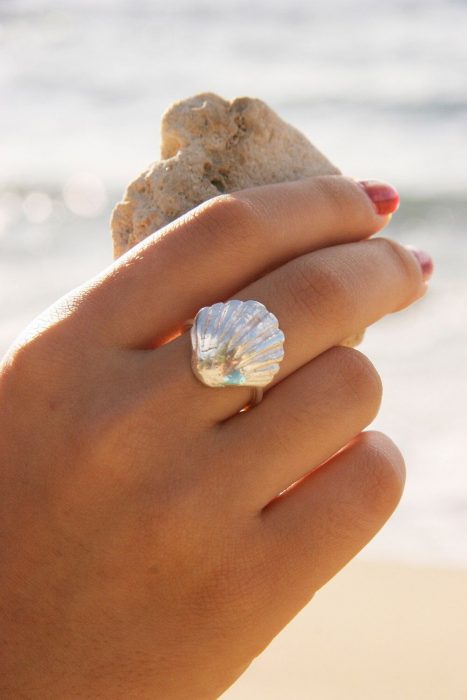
(145, 549)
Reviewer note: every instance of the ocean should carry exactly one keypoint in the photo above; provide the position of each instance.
(380, 88)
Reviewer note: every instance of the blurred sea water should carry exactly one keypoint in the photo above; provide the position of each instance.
(379, 88)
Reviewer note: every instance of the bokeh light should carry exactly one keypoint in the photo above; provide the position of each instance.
(85, 194)
(37, 207)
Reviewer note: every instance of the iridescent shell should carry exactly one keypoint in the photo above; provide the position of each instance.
(236, 343)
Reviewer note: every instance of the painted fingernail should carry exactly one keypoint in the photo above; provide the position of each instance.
(385, 198)
(424, 259)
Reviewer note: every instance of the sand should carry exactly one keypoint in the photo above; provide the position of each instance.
(376, 632)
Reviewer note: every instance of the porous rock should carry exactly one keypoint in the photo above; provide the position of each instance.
(211, 146)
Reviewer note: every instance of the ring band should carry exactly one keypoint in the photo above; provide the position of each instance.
(236, 343)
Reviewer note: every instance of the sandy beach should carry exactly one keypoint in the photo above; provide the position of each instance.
(376, 632)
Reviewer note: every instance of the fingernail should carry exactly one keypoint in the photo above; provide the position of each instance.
(385, 197)
(425, 261)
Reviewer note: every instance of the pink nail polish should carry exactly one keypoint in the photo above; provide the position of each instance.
(425, 260)
(385, 197)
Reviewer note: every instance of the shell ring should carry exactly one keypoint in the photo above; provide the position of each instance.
(236, 343)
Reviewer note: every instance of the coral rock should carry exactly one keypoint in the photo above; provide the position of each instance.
(211, 146)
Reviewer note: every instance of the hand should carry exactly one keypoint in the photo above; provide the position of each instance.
(145, 549)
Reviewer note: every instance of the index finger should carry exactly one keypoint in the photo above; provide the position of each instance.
(228, 242)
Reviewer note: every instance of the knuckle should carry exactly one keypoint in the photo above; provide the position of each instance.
(401, 259)
(333, 191)
(235, 217)
(47, 352)
(359, 377)
(16, 362)
(349, 203)
(24, 367)
(319, 288)
(384, 469)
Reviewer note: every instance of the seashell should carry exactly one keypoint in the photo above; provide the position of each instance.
(236, 343)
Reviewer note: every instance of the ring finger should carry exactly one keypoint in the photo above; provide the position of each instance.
(320, 299)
